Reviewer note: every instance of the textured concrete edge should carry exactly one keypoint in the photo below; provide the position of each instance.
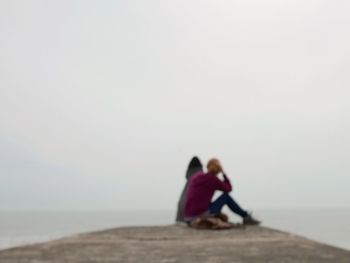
(306, 238)
(134, 227)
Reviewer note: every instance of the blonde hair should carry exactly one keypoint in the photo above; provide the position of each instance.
(213, 165)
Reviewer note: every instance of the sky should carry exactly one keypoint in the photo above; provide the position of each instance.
(103, 103)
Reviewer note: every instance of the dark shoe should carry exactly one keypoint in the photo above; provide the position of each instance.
(249, 220)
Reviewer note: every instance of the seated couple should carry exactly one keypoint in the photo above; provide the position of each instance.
(196, 199)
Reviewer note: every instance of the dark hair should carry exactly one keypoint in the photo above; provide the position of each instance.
(195, 163)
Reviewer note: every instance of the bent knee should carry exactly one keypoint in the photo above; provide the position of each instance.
(225, 194)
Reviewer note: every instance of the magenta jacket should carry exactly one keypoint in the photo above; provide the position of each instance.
(200, 192)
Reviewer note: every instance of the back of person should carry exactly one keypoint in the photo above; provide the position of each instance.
(201, 190)
(197, 186)
(194, 167)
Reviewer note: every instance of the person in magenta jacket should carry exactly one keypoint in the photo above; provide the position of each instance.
(201, 190)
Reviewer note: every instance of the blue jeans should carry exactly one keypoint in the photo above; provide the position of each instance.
(225, 199)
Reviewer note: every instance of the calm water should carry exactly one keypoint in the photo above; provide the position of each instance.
(18, 228)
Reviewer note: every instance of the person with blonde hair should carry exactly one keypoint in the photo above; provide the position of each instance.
(201, 190)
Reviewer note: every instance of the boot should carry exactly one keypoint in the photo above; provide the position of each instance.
(249, 220)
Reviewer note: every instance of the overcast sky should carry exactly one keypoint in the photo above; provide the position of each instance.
(103, 103)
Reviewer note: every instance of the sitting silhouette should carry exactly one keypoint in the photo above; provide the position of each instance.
(201, 188)
(194, 167)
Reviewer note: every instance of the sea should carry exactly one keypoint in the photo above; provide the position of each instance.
(17, 228)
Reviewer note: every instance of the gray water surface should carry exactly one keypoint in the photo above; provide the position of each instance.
(330, 226)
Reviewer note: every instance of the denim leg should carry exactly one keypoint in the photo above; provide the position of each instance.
(226, 199)
(216, 206)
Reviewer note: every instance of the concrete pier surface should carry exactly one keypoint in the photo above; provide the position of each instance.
(178, 244)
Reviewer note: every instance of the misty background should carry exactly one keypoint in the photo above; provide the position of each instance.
(103, 103)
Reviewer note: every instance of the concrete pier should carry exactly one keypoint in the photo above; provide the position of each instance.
(178, 244)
